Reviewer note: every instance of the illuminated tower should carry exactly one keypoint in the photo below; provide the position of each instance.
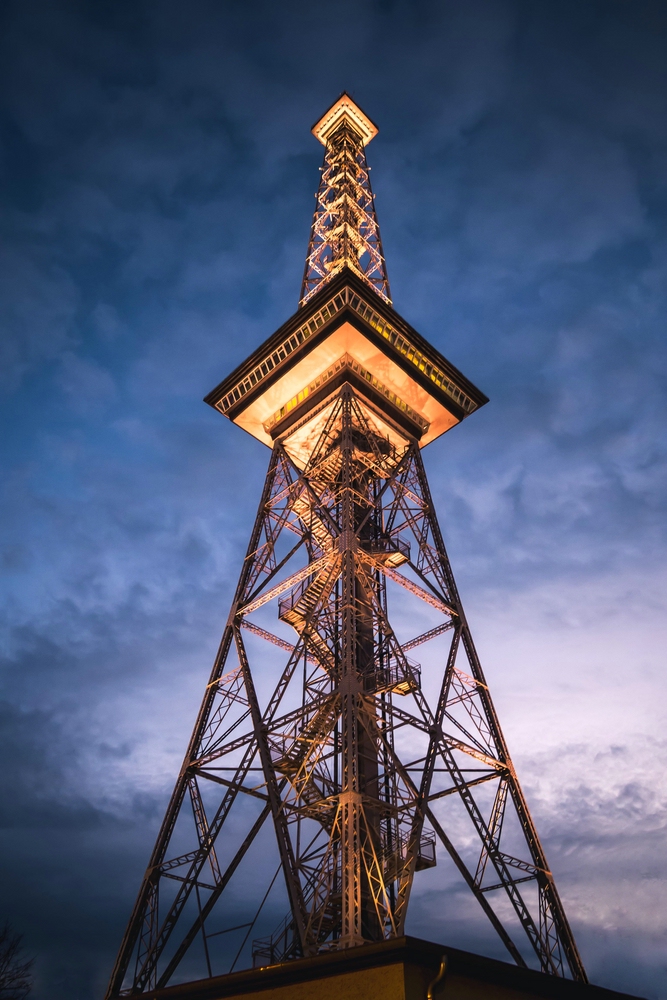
(319, 739)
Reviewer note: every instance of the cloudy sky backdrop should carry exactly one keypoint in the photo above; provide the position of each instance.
(157, 189)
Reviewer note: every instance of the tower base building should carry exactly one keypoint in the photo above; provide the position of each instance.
(401, 969)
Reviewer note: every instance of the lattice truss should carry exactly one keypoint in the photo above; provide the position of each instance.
(345, 229)
(343, 752)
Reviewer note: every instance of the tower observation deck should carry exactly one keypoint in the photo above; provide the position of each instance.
(320, 742)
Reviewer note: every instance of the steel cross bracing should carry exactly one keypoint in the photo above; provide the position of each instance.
(355, 758)
(345, 229)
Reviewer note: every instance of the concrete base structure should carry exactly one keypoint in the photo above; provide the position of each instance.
(401, 969)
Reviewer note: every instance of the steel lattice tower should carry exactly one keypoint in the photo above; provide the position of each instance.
(360, 761)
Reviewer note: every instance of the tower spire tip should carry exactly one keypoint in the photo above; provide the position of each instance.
(344, 108)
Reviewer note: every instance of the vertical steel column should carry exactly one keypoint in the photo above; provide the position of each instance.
(350, 691)
(359, 805)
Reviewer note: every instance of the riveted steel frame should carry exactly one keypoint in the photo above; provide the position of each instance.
(354, 804)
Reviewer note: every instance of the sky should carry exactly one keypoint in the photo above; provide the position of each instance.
(157, 181)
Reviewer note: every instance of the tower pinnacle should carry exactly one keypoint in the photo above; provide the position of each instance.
(345, 231)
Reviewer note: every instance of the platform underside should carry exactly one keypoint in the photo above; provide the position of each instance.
(300, 441)
(258, 416)
(346, 323)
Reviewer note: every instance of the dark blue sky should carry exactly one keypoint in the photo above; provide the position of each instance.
(157, 189)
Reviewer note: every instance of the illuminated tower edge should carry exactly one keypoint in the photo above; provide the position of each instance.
(359, 760)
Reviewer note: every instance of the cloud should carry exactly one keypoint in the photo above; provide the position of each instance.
(37, 315)
(574, 193)
(87, 385)
(602, 815)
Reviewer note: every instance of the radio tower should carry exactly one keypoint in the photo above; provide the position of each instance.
(320, 740)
